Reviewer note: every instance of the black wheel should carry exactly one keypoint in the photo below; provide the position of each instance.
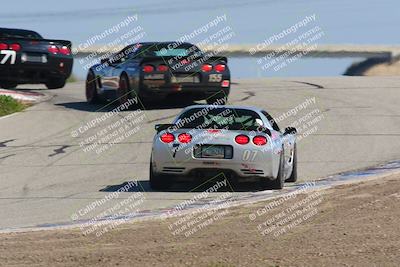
(279, 182)
(293, 176)
(219, 99)
(158, 181)
(8, 85)
(91, 89)
(55, 83)
(124, 92)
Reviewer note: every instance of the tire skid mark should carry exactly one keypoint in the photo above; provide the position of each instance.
(4, 143)
(162, 118)
(60, 150)
(4, 157)
(311, 84)
(249, 94)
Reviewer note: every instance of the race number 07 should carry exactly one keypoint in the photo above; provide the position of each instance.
(8, 54)
(249, 155)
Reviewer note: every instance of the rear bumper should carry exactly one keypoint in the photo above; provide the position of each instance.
(201, 172)
(36, 72)
(197, 90)
(201, 86)
(185, 167)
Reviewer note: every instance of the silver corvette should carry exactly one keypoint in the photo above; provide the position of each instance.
(209, 141)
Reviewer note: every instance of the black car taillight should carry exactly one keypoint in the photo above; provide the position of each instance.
(65, 50)
(162, 68)
(53, 49)
(148, 68)
(206, 67)
(219, 67)
(3, 46)
(15, 47)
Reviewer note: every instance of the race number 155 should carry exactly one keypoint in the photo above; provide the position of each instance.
(8, 54)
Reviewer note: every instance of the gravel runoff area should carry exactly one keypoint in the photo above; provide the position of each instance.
(348, 225)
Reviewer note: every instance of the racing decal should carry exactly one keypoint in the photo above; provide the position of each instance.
(249, 155)
(215, 78)
(175, 149)
(8, 54)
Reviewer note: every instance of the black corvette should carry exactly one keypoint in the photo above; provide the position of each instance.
(25, 57)
(155, 70)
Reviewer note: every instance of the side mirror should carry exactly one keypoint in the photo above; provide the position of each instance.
(290, 130)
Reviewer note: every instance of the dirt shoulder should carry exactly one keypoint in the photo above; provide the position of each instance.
(384, 69)
(349, 225)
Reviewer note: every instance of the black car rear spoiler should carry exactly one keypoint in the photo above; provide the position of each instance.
(62, 42)
(217, 59)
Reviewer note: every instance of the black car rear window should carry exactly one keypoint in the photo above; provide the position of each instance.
(169, 50)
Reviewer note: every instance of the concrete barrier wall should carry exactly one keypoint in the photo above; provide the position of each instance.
(333, 51)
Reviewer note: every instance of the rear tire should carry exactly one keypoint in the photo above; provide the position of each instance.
(91, 89)
(279, 182)
(219, 98)
(293, 175)
(124, 92)
(55, 83)
(8, 85)
(158, 181)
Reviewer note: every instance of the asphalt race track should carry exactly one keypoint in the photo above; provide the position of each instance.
(46, 176)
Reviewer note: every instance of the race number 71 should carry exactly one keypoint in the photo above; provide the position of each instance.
(8, 54)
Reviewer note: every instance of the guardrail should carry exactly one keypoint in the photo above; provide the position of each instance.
(333, 51)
